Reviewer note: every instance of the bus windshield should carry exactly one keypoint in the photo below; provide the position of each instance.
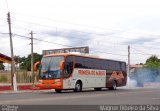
(50, 67)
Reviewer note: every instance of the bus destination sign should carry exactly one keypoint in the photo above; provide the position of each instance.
(66, 50)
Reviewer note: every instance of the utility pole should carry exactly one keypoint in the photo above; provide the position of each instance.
(13, 83)
(11, 47)
(32, 57)
(128, 60)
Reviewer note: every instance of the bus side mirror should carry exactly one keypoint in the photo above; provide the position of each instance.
(62, 65)
(35, 65)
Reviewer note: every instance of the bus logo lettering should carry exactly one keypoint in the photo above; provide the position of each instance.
(88, 72)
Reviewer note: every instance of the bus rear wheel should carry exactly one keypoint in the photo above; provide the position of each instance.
(114, 86)
(78, 87)
(58, 90)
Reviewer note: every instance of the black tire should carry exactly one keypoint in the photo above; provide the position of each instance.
(114, 86)
(78, 87)
(58, 90)
(97, 89)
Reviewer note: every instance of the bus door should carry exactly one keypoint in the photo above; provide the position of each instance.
(69, 80)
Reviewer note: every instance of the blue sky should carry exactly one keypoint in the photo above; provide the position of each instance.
(106, 26)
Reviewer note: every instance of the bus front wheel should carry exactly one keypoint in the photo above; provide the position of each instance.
(78, 87)
(58, 90)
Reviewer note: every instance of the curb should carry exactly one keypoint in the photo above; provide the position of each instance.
(25, 91)
(22, 88)
(19, 87)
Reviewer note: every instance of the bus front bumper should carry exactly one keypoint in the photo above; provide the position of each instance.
(50, 86)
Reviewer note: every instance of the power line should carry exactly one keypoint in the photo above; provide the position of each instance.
(48, 41)
(90, 38)
(96, 33)
(61, 21)
(107, 53)
(147, 47)
(99, 34)
(66, 45)
(20, 27)
(94, 39)
(88, 33)
(52, 42)
(119, 31)
(22, 36)
(4, 33)
(141, 52)
(42, 40)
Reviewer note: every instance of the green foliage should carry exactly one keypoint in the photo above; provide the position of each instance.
(3, 78)
(26, 62)
(1, 66)
(153, 62)
(18, 59)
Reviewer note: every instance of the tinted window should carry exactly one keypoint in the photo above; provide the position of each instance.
(123, 66)
(91, 63)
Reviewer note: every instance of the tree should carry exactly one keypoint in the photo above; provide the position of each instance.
(152, 62)
(2, 66)
(18, 59)
(26, 62)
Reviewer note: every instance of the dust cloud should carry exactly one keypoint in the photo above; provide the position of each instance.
(143, 77)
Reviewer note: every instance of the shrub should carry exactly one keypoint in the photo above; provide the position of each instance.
(3, 78)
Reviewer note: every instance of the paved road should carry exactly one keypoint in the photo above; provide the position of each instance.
(87, 97)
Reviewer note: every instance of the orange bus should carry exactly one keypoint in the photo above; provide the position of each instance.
(76, 71)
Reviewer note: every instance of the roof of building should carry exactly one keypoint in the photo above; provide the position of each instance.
(136, 66)
(5, 59)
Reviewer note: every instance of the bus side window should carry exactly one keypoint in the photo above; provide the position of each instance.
(123, 66)
(68, 66)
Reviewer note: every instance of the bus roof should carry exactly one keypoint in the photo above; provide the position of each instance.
(81, 55)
